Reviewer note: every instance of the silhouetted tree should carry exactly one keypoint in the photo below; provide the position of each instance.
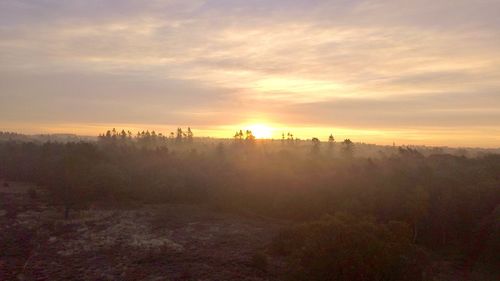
(249, 136)
(180, 135)
(331, 144)
(347, 148)
(315, 145)
(238, 136)
(189, 135)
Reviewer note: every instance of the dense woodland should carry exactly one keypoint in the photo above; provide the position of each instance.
(383, 215)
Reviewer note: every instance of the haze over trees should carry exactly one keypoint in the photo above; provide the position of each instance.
(355, 216)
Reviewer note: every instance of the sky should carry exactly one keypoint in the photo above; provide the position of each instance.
(404, 71)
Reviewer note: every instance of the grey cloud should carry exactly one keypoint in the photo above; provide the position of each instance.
(90, 97)
(439, 110)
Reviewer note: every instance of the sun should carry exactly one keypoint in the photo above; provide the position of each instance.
(260, 131)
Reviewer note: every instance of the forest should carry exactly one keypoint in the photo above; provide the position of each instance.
(355, 211)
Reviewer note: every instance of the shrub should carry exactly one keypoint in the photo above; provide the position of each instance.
(345, 248)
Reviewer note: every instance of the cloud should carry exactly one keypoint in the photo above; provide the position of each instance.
(445, 110)
(385, 64)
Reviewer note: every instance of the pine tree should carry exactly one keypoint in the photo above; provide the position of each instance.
(189, 135)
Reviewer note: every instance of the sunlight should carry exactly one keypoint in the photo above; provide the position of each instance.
(260, 131)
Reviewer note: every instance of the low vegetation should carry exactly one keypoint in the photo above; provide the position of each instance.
(345, 248)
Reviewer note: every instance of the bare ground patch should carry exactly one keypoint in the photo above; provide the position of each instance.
(153, 242)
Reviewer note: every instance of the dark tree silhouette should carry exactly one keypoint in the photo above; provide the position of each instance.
(249, 136)
(315, 145)
(189, 135)
(331, 144)
(348, 148)
(180, 135)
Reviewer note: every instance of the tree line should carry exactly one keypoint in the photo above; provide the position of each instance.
(145, 138)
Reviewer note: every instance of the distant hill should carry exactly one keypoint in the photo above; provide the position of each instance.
(11, 136)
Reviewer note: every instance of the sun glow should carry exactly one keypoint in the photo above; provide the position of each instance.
(260, 131)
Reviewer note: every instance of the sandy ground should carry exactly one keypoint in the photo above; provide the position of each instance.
(153, 242)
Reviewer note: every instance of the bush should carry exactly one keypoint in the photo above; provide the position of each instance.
(345, 248)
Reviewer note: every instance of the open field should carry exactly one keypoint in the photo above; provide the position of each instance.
(153, 242)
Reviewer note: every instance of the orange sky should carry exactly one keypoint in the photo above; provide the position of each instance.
(413, 72)
(429, 136)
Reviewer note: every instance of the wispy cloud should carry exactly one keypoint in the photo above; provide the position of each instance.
(361, 64)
